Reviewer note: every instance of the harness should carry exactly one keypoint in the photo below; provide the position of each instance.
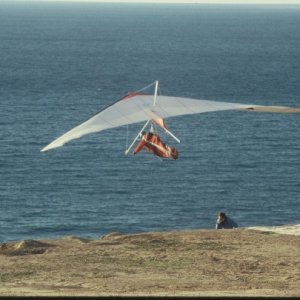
(166, 150)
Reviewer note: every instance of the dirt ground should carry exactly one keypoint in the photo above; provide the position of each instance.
(238, 262)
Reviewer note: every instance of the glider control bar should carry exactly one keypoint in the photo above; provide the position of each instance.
(126, 152)
(172, 135)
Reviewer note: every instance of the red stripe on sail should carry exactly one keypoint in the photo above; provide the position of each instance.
(130, 95)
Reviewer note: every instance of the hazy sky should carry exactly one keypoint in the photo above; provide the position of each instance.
(174, 1)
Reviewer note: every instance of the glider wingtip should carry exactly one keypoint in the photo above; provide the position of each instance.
(48, 147)
(51, 146)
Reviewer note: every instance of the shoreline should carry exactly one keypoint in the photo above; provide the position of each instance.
(290, 229)
(238, 262)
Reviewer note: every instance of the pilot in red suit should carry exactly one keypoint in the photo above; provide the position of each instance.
(152, 143)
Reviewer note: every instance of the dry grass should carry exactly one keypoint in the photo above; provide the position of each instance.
(192, 263)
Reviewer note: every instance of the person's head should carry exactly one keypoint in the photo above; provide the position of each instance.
(221, 217)
(173, 152)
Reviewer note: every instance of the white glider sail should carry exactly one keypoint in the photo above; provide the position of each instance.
(138, 107)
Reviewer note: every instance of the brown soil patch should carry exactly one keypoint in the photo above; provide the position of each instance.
(236, 262)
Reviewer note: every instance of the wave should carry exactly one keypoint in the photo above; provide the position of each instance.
(293, 229)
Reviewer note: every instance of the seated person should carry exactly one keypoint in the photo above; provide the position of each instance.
(224, 222)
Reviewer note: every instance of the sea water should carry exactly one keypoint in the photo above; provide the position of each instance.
(60, 63)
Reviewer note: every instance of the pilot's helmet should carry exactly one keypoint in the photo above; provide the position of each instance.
(174, 153)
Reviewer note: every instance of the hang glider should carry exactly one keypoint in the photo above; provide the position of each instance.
(154, 109)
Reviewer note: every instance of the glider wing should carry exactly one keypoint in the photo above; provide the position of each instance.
(138, 107)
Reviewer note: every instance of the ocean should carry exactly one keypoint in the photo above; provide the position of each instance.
(62, 62)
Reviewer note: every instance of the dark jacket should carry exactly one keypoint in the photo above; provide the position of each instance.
(227, 224)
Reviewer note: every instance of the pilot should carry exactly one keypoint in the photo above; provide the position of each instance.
(152, 143)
